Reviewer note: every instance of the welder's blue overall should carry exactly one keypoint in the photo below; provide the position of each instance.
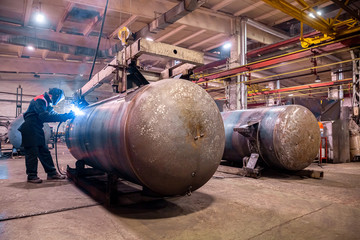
(33, 137)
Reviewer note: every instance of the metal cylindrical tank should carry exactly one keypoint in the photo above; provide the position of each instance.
(285, 137)
(14, 134)
(167, 136)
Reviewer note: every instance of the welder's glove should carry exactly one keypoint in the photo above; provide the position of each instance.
(70, 115)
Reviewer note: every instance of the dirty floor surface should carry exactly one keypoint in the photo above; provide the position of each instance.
(276, 206)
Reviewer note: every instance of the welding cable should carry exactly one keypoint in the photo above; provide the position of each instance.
(98, 43)
(56, 155)
(47, 212)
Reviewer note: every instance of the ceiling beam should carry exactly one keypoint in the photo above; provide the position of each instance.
(172, 32)
(28, 10)
(354, 14)
(281, 20)
(274, 12)
(68, 8)
(268, 14)
(60, 38)
(261, 36)
(221, 4)
(52, 46)
(169, 17)
(88, 29)
(145, 8)
(249, 8)
(265, 28)
(38, 65)
(189, 37)
(206, 40)
(214, 46)
(127, 23)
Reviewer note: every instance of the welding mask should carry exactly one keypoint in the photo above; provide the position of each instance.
(57, 95)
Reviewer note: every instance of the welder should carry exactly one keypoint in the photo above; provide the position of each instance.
(33, 139)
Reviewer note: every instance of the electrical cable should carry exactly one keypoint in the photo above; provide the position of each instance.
(56, 155)
(98, 43)
(47, 212)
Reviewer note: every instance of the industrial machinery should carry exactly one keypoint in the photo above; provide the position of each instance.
(283, 137)
(167, 136)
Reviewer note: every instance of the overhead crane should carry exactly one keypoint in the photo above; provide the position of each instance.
(330, 28)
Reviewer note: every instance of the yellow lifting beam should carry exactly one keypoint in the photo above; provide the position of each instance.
(330, 28)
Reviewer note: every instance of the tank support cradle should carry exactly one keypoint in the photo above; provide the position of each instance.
(106, 188)
(250, 167)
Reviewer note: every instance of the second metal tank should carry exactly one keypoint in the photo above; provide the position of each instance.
(285, 137)
(167, 136)
(14, 134)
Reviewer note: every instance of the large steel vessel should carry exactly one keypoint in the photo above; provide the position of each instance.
(167, 136)
(285, 137)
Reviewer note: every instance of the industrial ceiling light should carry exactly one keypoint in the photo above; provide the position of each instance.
(312, 15)
(39, 17)
(319, 13)
(227, 45)
(30, 47)
(149, 39)
(291, 95)
(317, 80)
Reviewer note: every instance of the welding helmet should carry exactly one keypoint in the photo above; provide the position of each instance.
(57, 95)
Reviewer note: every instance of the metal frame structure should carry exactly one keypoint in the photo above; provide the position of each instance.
(131, 53)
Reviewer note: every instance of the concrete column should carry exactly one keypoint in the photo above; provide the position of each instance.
(232, 88)
(236, 90)
(356, 85)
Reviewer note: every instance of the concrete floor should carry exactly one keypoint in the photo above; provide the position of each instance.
(276, 206)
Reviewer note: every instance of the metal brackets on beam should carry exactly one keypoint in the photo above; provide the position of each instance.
(125, 61)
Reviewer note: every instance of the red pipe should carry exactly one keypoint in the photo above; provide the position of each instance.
(269, 62)
(210, 65)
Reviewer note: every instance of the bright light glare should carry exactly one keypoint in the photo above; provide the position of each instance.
(312, 15)
(39, 17)
(149, 39)
(291, 95)
(227, 45)
(31, 48)
(319, 13)
(77, 111)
